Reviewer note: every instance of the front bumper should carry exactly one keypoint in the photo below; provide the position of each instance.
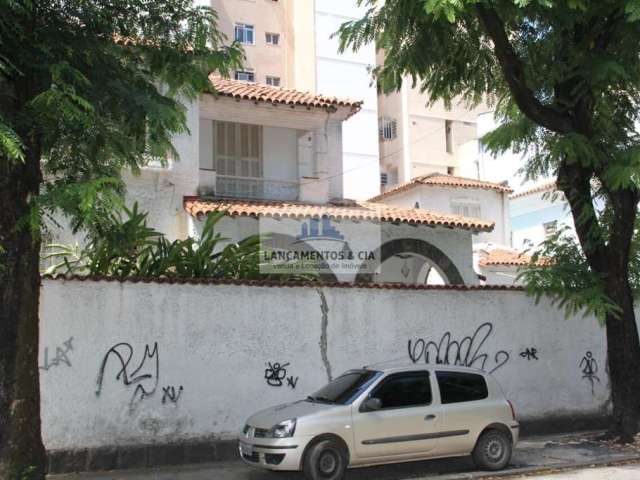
(273, 453)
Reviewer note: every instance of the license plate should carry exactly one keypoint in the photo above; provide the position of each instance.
(246, 449)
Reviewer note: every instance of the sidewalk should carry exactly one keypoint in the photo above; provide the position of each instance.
(532, 454)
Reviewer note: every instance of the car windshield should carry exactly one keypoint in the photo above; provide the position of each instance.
(344, 389)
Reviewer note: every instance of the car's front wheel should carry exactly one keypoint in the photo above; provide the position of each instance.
(493, 450)
(325, 460)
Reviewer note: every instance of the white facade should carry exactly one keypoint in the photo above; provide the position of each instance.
(489, 205)
(215, 343)
(346, 75)
(536, 215)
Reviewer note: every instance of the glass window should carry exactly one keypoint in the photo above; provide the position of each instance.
(404, 390)
(466, 208)
(244, 34)
(245, 75)
(345, 388)
(388, 128)
(273, 81)
(456, 387)
(272, 38)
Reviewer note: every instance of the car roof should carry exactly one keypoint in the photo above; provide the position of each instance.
(396, 367)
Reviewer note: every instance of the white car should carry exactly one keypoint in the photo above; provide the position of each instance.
(373, 416)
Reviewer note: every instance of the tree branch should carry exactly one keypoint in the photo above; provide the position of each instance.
(514, 75)
(575, 182)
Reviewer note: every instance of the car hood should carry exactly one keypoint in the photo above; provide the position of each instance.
(271, 416)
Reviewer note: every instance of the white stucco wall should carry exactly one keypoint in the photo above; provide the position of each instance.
(494, 206)
(214, 344)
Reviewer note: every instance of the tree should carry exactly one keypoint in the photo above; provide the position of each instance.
(87, 88)
(565, 78)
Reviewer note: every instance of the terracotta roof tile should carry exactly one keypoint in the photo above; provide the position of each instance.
(277, 283)
(542, 187)
(441, 180)
(356, 211)
(504, 257)
(277, 95)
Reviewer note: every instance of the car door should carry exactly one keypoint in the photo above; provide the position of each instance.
(465, 409)
(407, 424)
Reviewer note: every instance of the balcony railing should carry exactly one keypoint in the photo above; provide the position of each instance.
(255, 188)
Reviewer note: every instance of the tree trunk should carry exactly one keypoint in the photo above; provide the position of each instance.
(22, 454)
(623, 351)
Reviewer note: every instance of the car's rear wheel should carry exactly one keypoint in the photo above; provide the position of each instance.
(493, 450)
(325, 460)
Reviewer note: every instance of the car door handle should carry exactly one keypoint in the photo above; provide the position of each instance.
(430, 417)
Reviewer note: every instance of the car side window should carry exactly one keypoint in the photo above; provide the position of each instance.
(404, 390)
(456, 387)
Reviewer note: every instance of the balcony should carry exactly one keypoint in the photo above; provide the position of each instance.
(232, 186)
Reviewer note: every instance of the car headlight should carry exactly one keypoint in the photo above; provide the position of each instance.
(283, 429)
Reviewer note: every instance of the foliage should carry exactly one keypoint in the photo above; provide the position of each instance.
(567, 280)
(127, 247)
(564, 78)
(99, 86)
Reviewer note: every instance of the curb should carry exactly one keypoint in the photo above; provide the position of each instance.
(526, 471)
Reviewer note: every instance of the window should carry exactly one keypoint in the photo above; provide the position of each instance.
(272, 38)
(384, 179)
(245, 75)
(448, 132)
(550, 228)
(404, 390)
(345, 388)
(273, 81)
(238, 149)
(451, 170)
(244, 34)
(456, 387)
(388, 128)
(466, 208)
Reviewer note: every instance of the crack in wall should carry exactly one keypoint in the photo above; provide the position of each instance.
(324, 308)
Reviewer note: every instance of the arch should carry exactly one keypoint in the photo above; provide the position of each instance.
(419, 247)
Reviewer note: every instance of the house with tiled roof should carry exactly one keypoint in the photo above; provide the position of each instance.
(486, 201)
(271, 159)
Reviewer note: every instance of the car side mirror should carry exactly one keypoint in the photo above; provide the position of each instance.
(372, 404)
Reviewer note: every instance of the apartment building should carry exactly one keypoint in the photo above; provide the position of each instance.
(288, 44)
(417, 139)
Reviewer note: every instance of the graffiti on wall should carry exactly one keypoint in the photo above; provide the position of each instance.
(171, 395)
(467, 351)
(530, 354)
(141, 376)
(61, 357)
(276, 374)
(589, 367)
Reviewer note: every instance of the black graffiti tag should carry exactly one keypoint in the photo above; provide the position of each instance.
(275, 373)
(169, 394)
(292, 382)
(589, 370)
(529, 354)
(61, 355)
(466, 352)
(147, 370)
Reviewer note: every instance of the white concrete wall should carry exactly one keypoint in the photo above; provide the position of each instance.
(214, 344)
(346, 75)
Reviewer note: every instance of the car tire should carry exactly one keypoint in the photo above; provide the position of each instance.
(493, 450)
(325, 460)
